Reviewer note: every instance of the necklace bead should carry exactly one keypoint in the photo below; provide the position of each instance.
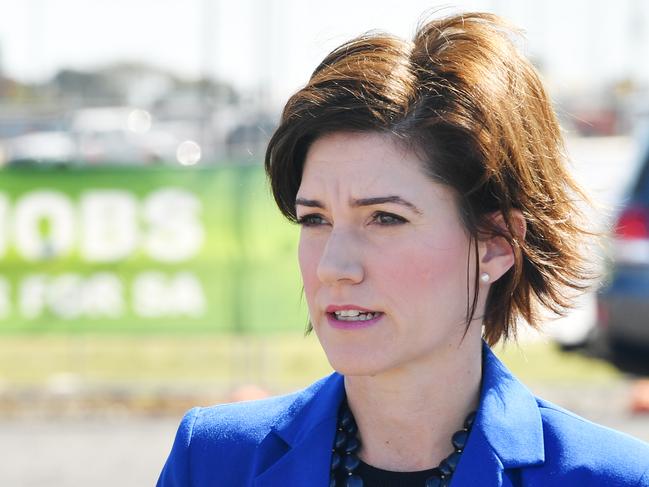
(353, 481)
(351, 429)
(445, 469)
(351, 462)
(437, 482)
(433, 482)
(352, 445)
(335, 461)
(459, 439)
(453, 459)
(341, 440)
(346, 418)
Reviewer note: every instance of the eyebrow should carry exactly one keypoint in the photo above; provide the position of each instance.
(377, 200)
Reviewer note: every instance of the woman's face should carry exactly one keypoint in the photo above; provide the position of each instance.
(379, 236)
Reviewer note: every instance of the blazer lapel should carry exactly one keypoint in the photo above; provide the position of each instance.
(479, 465)
(297, 450)
(507, 433)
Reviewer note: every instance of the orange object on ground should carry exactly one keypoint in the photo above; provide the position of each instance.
(248, 392)
(640, 396)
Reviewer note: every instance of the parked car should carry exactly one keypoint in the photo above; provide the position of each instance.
(576, 330)
(623, 303)
(41, 148)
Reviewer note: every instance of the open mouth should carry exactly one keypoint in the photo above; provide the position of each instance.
(355, 315)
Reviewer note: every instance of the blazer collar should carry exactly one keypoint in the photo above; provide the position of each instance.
(507, 433)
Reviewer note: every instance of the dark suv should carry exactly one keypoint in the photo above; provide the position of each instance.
(623, 304)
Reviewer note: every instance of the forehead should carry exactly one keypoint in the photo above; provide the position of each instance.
(361, 160)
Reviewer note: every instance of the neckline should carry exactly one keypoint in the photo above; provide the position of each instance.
(375, 477)
(373, 471)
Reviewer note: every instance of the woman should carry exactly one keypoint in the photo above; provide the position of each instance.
(436, 212)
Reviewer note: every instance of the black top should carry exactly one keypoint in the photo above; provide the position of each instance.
(376, 477)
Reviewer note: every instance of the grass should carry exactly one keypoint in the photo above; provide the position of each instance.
(544, 363)
(277, 362)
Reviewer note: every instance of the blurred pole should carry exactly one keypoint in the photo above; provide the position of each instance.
(210, 18)
(593, 29)
(636, 41)
(264, 44)
(36, 28)
(242, 263)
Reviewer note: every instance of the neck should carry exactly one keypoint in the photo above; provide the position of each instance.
(407, 416)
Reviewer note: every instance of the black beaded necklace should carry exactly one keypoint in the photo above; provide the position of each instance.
(346, 445)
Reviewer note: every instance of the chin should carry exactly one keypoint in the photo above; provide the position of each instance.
(355, 362)
(352, 354)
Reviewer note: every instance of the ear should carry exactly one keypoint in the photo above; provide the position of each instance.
(495, 252)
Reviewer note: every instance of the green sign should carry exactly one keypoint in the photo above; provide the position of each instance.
(145, 249)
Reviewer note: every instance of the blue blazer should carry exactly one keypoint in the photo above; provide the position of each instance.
(516, 440)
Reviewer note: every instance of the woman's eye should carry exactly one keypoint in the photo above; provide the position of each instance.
(311, 220)
(388, 218)
(380, 217)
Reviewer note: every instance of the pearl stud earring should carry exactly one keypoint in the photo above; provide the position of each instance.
(484, 277)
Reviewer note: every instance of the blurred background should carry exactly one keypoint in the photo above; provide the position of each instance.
(144, 268)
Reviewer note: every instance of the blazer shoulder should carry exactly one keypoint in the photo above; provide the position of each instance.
(242, 423)
(591, 453)
(217, 445)
(213, 443)
(249, 422)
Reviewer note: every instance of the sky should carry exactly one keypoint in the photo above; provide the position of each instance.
(275, 44)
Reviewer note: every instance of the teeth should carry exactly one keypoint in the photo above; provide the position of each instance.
(354, 315)
(348, 312)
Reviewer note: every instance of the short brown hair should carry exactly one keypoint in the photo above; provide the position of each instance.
(475, 110)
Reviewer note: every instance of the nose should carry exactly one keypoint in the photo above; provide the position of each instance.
(340, 260)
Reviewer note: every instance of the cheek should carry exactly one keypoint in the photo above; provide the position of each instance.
(432, 270)
(309, 256)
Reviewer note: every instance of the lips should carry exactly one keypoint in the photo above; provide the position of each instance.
(364, 317)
